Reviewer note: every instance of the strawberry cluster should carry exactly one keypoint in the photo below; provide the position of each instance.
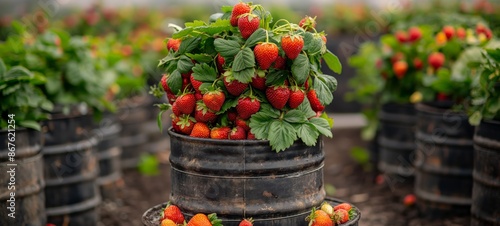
(172, 216)
(238, 78)
(329, 216)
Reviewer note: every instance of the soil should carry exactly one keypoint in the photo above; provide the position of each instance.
(379, 198)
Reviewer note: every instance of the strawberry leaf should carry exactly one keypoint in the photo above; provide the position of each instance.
(184, 64)
(227, 48)
(315, 46)
(308, 133)
(188, 45)
(226, 8)
(174, 82)
(305, 107)
(281, 135)
(244, 59)
(322, 126)
(244, 76)
(204, 73)
(295, 116)
(330, 81)
(260, 124)
(228, 103)
(258, 36)
(205, 87)
(276, 77)
(300, 68)
(202, 57)
(159, 121)
(324, 94)
(308, 38)
(195, 23)
(332, 62)
(328, 119)
(166, 60)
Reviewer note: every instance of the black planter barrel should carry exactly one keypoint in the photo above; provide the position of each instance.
(152, 217)
(71, 170)
(486, 174)
(444, 161)
(158, 142)
(246, 178)
(109, 152)
(396, 140)
(133, 115)
(23, 176)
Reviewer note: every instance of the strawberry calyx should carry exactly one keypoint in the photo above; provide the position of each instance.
(214, 220)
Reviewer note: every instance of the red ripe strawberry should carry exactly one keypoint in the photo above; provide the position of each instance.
(173, 213)
(401, 36)
(198, 96)
(344, 206)
(247, 107)
(400, 69)
(164, 84)
(296, 97)
(237, 133)
(176, 110)
(248, 24)
(442, 97)
(265, 54)
(186, 103)
(187, 75)
(168, 222)
(340, 216)
(238, 9)
(278, 96)
(185, 83)
(232, 115)
(199, 220)
(449, 31)
(220, 133)
(176, 127)
(246, 222)
(214, 100)
(200, 130)
(250, 135)
(314, 101)
(186, 124)
(308, 23)
(171, 97)
(436, 60)
(203, 114)
(414, 34)
(195, 83)
(409, 200)
(397, 57)
(242, 123)
(259, 82)
(461, 33)
(173, 44)
(319, 218)
(220, 63)
(235, 87)
(292, 45)
(417, 63)
(280, 62)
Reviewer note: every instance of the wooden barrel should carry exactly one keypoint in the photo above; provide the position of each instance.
(109, 152)
(158, 142)
(71, 170)
(486, 174)
(246, 178)
(396, 141)
(22, 178)
(444, 161)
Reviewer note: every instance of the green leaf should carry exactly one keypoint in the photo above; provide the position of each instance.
(260, 124)
(322, 126)
(228, 103)
(295, 116)
(330, 81)
(324, 94)
(244, 59)
(333, 62)
(3, 69)
(308, 134)
(300, 68)
(308, 38)
(258, 36)
(196, 23)
(281, 135)
(184, 64)
(18, 73)
(328, 119)
(315, 46)
(174, 82)
(276, 77)
(202, 58)
(305, 107)
(360, 155)
(159, 121)
(244, 76)
(166, 60)
(30, 124)
(148, 165)
(204, 73)
(226, 9)
(227, 48)
(188, 45)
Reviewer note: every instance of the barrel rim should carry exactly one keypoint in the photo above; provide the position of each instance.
(74, 208)
(432, 109)
(70, 147)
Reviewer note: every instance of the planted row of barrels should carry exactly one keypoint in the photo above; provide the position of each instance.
(453, 168)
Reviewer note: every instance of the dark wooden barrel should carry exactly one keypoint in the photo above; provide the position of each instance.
(132, 116)
(396, 141)
(107, 131)
(238, 179)
(158, 142)
(486, 174)
(444, 161)
(71, 170)
(26, 181)
(152, 217)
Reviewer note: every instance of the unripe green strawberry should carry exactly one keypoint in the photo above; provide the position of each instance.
(235, 87)
(296, 97)
(247, 107)
(220, 133)
(248, 24)
(203, 114)
(292, 45)
(174, 44)
(278, 96)
(327, 208)
(314, 101)
(237, 133)
(238, 9)
(214, 100)
(308, 23)
(265, 54)
(200, 130)
(186, 103)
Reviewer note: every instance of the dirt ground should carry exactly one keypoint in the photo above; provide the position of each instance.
(380, 203)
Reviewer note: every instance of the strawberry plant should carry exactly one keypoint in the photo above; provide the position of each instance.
(251, 75)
